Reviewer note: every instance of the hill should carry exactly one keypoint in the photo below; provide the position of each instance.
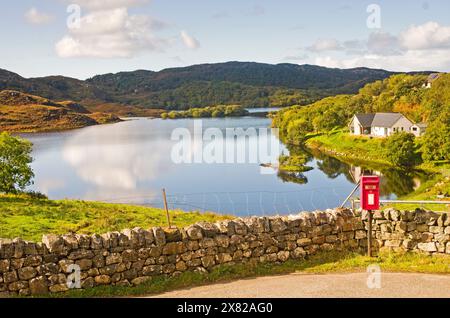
(25, 112)
(403, 93)
(245, 83)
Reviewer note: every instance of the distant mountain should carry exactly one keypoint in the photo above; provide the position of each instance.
(245, 83)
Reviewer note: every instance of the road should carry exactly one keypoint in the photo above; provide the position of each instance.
(300, 285)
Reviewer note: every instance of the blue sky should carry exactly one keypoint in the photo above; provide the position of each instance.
(123, 35)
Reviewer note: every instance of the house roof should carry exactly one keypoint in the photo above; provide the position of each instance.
(421, 125)
(379, 119)
(365, 119)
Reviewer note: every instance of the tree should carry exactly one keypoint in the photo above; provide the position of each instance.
(436, 141)
(15, 160)
(401, 150)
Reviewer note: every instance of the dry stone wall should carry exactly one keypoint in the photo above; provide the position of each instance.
(132, 257)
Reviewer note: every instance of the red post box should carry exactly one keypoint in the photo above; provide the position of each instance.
(370, 192)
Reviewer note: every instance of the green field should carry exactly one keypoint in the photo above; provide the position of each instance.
(30, 218)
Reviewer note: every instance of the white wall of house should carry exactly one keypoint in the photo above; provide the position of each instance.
(403, 124)
(356, 126)
(417, 130)
(380, 131)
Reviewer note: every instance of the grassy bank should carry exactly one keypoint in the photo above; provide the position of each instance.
(366, 150)
(341, 144)
(30, 218)
(326, 262)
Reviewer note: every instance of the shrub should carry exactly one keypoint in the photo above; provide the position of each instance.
(15, 160)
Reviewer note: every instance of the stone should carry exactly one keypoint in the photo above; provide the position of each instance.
(59, 288)
(427, 247)
(304, 241)
(223, 258)
(38, 286)
(96, 242)
(10, 277)
(54, 243)
(277, 225)
(152, 270)
(130, 255)
(158, 234)
(298, 253)
(32, 260)
(16, 286)
(208, 261)
(27, 273)
(4, 265)
(172, 234)
(114, 258)
(84, 263)
(208, 229)
(283, 256)
(174, 248)
(181, 266)
(222, 241)
(88, 283)
(102, 279)
(79, 254)
(141, 280)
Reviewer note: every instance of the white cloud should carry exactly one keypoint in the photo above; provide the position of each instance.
(109, 34)
(383, 43)
(323, 45)
(414, 60)
(101, 5)
(423, 47)
(430, 35)
(34, 16)
(189, 40)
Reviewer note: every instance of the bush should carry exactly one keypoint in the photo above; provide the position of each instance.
(401, 150)
(15, 160)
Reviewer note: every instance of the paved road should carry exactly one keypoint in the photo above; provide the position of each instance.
(327, 285)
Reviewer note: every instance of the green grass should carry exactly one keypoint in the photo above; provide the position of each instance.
(322, 263)
(342, 144)
(30, 218)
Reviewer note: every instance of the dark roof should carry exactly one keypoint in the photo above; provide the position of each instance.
(378, 119)
(365, 119)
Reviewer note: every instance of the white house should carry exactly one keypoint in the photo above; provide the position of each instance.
(418, 129)
(379, 124)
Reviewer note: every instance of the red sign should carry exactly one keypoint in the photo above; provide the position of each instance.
(370, 192)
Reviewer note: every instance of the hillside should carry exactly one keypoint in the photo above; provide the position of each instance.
(245, 83)
(406, 94)
(25, 112)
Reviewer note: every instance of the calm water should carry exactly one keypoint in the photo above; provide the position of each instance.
(130, 162)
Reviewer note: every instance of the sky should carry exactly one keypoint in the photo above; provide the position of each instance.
(83, 38)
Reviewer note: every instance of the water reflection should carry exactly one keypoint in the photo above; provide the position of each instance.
(130, 162)
(393, 182)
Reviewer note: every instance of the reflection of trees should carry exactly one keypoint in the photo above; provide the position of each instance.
(295, 177)
(393, 181)
(398, 182)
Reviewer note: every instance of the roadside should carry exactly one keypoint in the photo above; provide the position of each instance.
(319, 265)
(350, 285)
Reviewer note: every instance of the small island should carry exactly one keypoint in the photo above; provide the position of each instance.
(208, 112)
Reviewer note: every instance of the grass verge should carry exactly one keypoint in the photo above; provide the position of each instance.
(29, 218)
(322, 263)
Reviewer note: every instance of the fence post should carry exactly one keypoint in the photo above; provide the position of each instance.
(166, 207)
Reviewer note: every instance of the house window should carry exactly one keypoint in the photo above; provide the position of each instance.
(414, 128)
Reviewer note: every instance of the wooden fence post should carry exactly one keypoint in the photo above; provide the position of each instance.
(166, 207)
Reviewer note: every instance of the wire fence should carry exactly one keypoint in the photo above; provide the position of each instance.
(248, 203)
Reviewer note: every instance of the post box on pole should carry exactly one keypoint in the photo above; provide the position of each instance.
(370, 201)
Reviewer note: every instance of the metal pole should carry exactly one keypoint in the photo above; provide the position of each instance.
(369, 234)
(166, 208)
(350, 195)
